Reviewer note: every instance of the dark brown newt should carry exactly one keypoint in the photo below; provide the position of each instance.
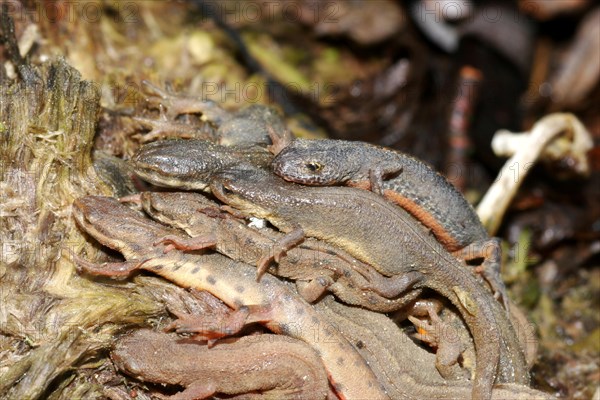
(411, 183)
(269, 365)
(405, 369)
(314, 265)
(269, 302)
(385, 236)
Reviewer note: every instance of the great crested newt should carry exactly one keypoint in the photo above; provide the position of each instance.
(410, 183)
(273, 365)
(388, 238)
(269, 302)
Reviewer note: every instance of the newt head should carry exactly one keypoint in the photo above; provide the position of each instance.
(239, 188)
(252, 191)
(114, 225)
(176, 163)
(86, 210)
(97, 216)
(316, 162)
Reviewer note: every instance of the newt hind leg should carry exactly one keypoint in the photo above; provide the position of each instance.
(187, 244)
(489, 250)
(205, 327)
(439, 334)
(315, 288)
(114, 270)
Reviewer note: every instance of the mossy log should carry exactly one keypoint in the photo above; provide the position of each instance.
(53, 321)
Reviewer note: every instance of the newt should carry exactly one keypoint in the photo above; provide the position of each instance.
(363, 223)
(442, 329)
(168, 165)
(253, 125)
(189, 164)
(446, 332)
(315, 266)
(267, 365)
(405, 369)
(406, 181)
(269, 302)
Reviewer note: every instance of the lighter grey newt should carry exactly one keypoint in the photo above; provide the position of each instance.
(266, 365)
(314, 265)
(269, 302)
(387, 348)
(404, 180)
(363, 223)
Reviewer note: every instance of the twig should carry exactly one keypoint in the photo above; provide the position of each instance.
(554, 136)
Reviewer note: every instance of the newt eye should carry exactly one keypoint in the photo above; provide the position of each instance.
(314, 166)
